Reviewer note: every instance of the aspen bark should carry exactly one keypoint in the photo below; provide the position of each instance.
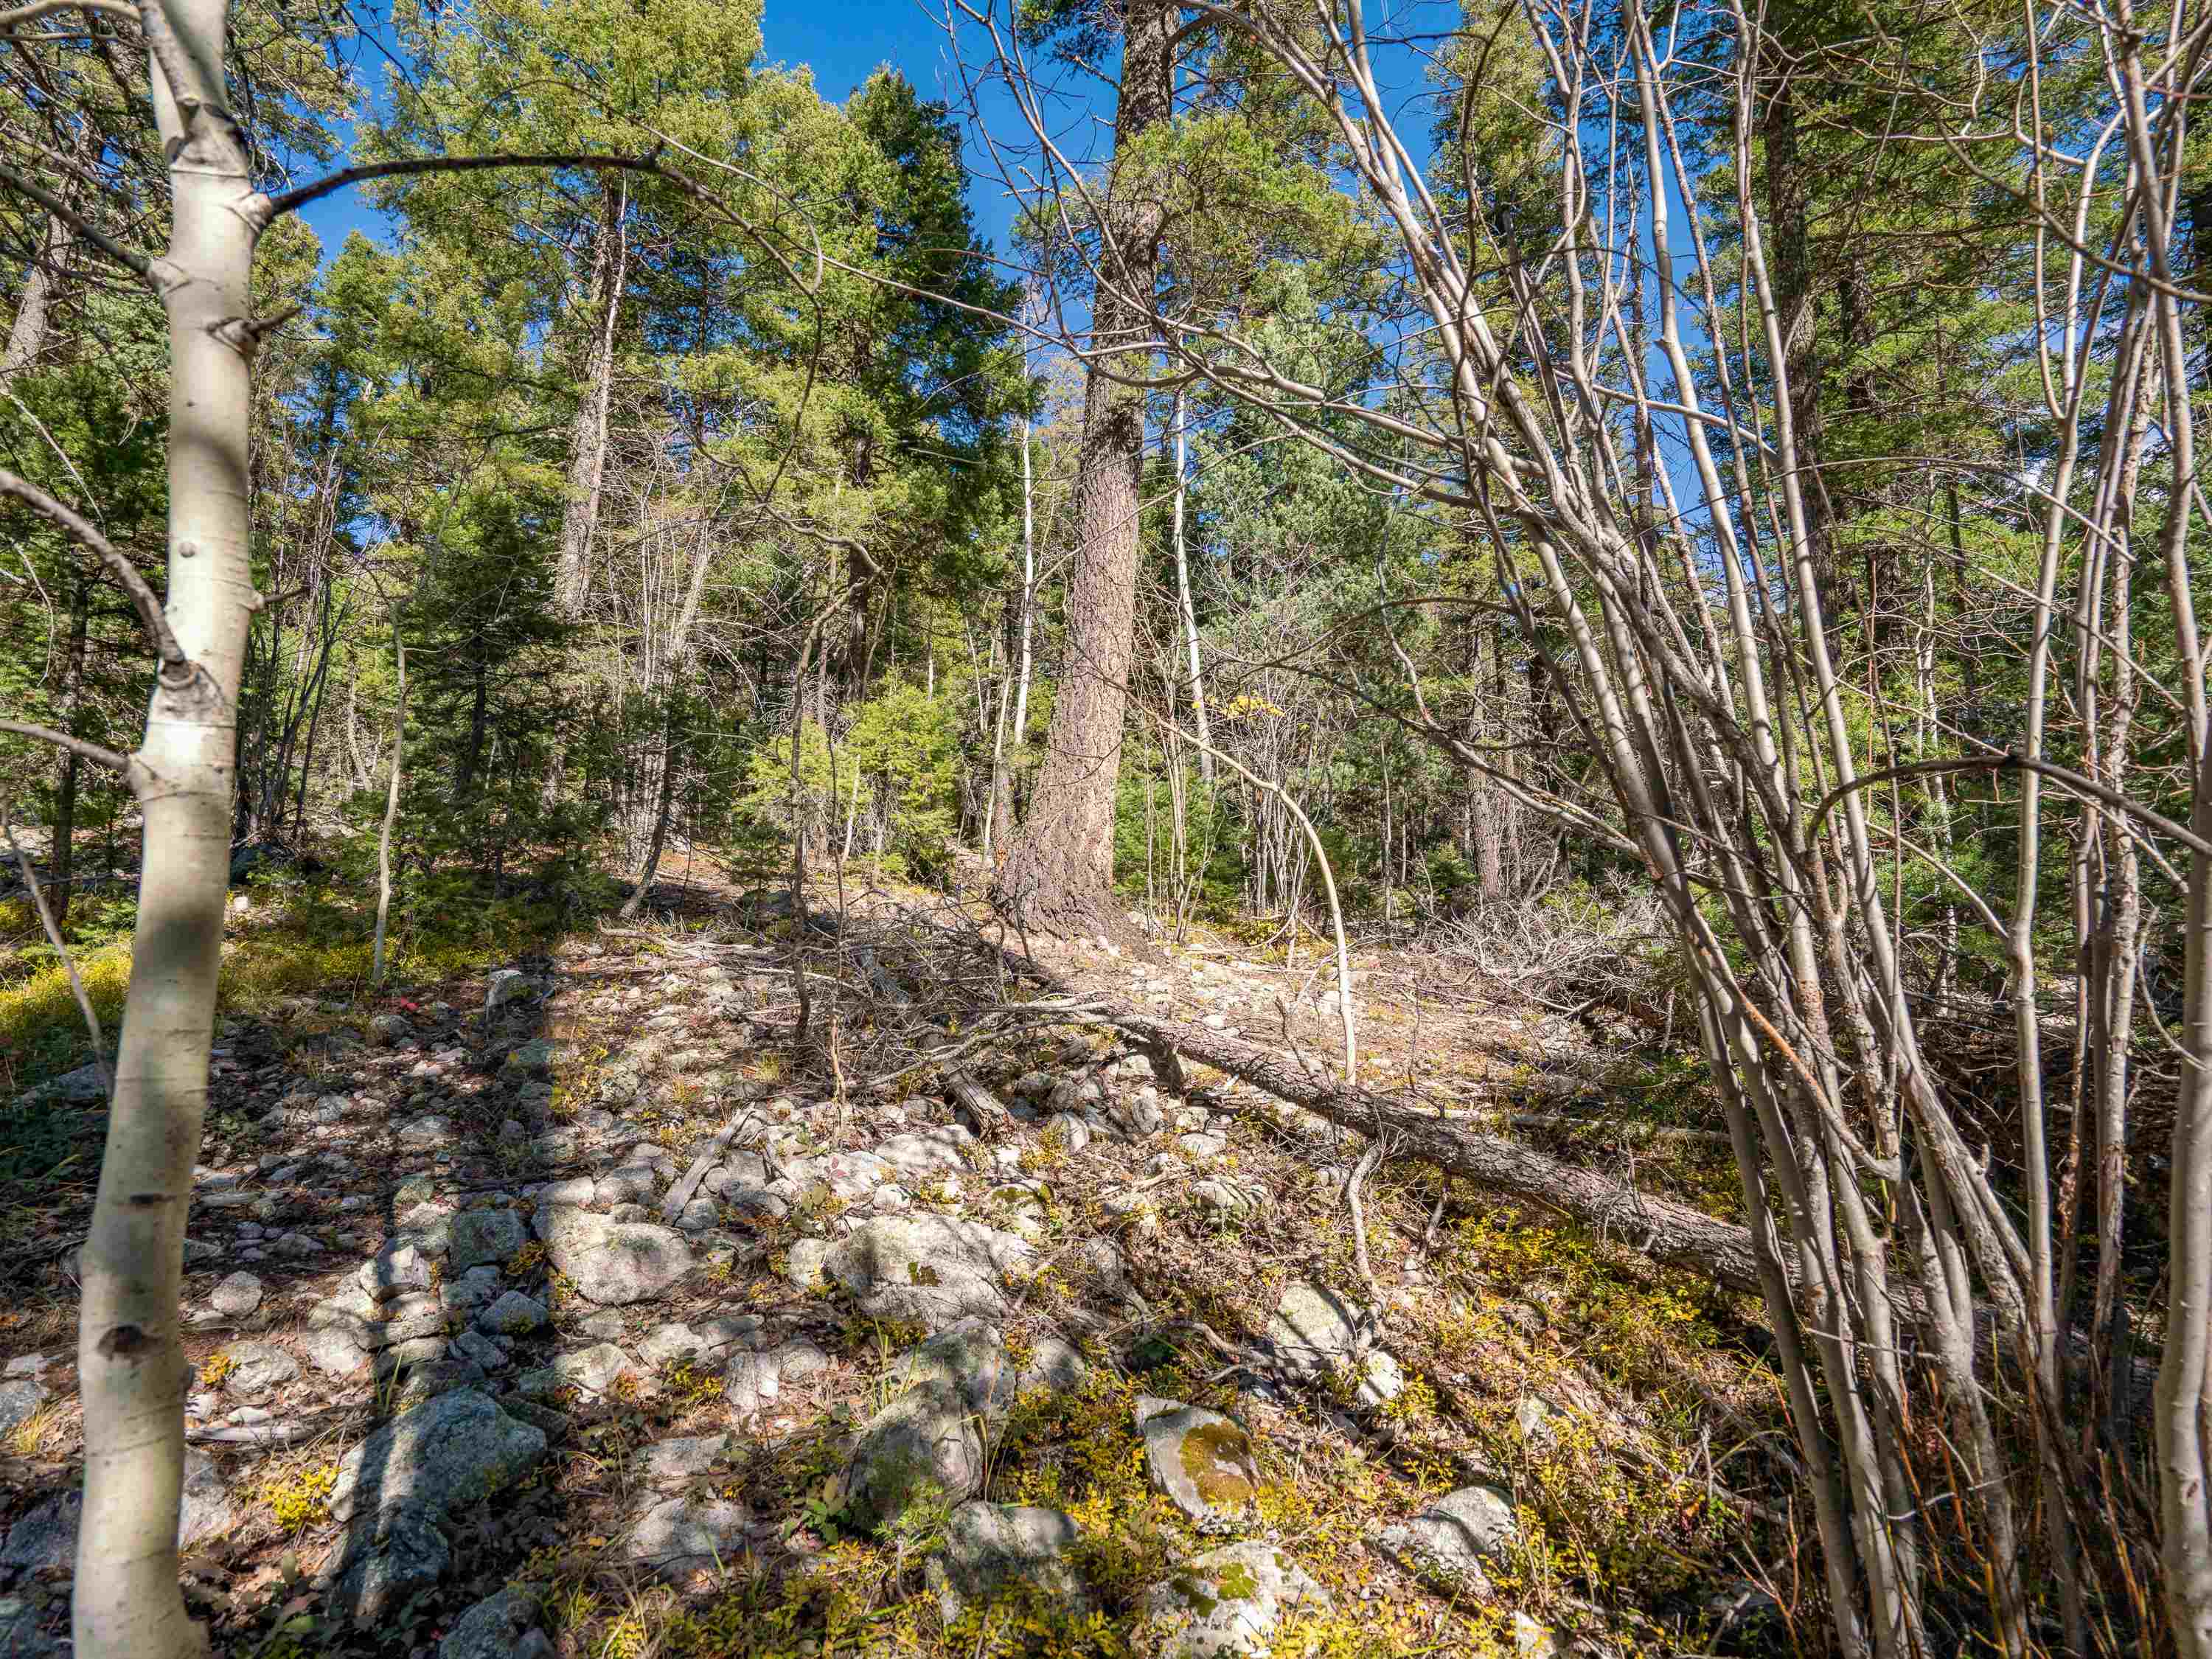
(1029, 589)
(1182, 592)
(587, 445)
(131, 1364)
(391, 810)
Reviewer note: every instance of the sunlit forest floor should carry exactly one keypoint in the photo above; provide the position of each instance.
(597, 1173)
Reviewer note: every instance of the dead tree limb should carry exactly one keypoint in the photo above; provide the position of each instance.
(1667, 1231)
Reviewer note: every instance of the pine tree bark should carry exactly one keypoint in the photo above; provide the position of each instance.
(1060, 872)
(26, 334)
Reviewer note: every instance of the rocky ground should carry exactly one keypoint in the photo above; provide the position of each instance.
(586, 1310)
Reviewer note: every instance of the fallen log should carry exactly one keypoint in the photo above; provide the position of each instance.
(1667, 1231)
(1671, 1233)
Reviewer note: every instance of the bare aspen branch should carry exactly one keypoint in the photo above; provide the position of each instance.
(91, 752)
(2074, 781)
(176, 666)
(264, 209)
(38, 9)
(139, 264)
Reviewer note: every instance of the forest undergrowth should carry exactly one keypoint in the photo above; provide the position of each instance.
(1627, 1410)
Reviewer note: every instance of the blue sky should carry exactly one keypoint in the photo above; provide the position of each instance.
(841, 40)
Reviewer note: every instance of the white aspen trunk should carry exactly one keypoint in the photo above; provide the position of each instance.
(1029, 588)
(588, 453)
(1183, 590)
(130, 1364)
(391, 811)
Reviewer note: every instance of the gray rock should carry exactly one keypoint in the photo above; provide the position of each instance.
(427, 1131)
(46, 1536)
(19, 1399)
(672, 1463)
(593, 1370)
(613, 1261)
(1315, 1332)
(917, 1158)
(1228, 1200)
(406, 1318)
(849, 1175)
(606, 1325)
(933, 1269)
(556, 1424)
(800, 1358)
(480, 1350)
(1202, 1148)
(335, 1351)
(683, 1536)
(379, 1568)
(1229, 1600)
(1068, 1132)
(416, 1350)
(20, 1636)
(752, 1383)
(514, 1314)
(1381, 1379)
(81, 1087)
(349, 1304)
(712, 1338)
(1053, 1365)
(651, 1155)
(699, 1216)
(1448, 1544)
(257, 1370)
(969, 1359)
(807, 1264)
(576, 1190)
(991, 1548)
(384, 1029)
(239, 1295)
(1136, 1115)
(396, 1271)
(458, 1448)
(505, 986)
(427, 1227)
(924, 1443)
(1534, 1417)
(476, 1237)
(501, 1626)
(1201, 1460)
(537, 1057)
(738, 1170)
(626, 1186)
(477, 1288)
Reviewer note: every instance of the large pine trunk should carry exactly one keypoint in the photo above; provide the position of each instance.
(1059, 874)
